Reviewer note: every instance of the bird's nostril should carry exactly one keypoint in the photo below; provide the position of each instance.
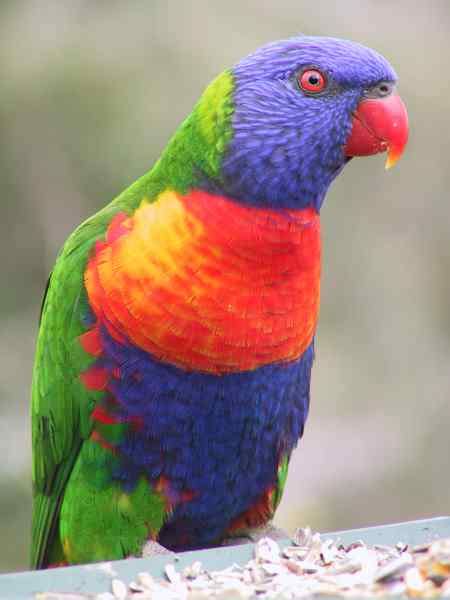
(380, 90)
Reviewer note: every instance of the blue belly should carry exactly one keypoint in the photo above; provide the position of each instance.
(218, 437)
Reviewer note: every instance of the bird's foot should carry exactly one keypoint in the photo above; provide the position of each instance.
(152, 548)
(254, 535)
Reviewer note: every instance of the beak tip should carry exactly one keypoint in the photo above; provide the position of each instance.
(392, 159)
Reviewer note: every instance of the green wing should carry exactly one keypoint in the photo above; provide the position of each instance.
(60, 403)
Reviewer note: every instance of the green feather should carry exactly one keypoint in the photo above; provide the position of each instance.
(281, 481)
(117, 523)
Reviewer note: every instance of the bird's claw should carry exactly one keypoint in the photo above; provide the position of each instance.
(254, 535)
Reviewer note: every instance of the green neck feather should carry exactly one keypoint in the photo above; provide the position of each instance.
(196, 149)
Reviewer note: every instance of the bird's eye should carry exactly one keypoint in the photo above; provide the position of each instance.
(312, 81)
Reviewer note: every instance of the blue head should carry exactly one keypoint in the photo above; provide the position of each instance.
(288, 142)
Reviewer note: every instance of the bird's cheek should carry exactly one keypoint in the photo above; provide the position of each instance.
(379, 125)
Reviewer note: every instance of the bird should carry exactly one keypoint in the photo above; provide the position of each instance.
(173, 361)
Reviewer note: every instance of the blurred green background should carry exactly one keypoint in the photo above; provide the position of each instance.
(91, 91)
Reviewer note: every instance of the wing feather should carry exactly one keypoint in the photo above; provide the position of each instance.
(61, 405)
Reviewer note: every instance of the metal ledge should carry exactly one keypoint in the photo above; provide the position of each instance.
(97, 577)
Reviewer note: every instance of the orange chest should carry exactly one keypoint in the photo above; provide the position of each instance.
(206, 284)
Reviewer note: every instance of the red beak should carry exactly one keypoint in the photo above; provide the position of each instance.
(379, 125)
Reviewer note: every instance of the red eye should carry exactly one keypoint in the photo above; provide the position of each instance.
(312, 81)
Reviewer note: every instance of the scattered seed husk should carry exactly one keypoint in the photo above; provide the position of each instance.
(193, 570)
(419, 548)
(311, 566)
(302, 537)
(171, 573)
(119, 589)
(394, 568)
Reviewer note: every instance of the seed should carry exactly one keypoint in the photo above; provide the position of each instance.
(119, 589)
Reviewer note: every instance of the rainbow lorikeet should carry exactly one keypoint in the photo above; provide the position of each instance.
(173, 361)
